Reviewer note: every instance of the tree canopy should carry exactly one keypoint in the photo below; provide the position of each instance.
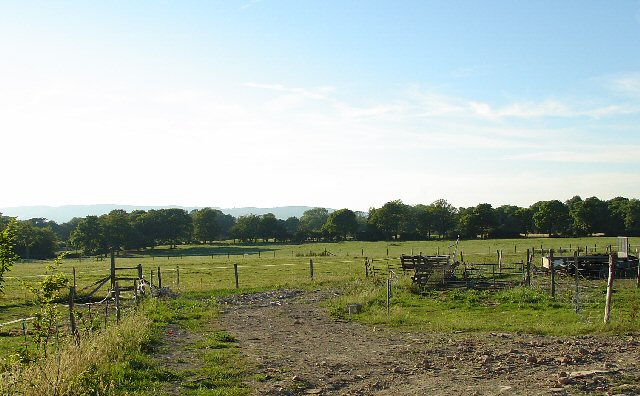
(395, 220)
(7, 254)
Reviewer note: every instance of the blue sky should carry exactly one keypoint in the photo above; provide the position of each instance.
(327, 103)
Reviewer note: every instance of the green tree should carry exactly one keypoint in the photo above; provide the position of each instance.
(525, 218)
(551, 217)
(632, 219)
(138, 238)
(291, 225)
(589, 216)
(25, 238)
(205, 224)
(268, 227)
(509, 222)
(246, 228)
(148, 226)
(35, 239)
(4, 221)
(391, 219)
(225, 222)
(424, 220)
(485, 219)
(64, 230)
(618, 208)
(341, 224)
(312, 221)
(117, 230)
(7, 255)
(175, 225)
(46, 293)
(89, 236)
(444, 217)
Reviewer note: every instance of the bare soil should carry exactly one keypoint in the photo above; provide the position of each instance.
(297, 348)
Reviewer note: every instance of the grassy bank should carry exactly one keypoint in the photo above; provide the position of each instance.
(131, 358)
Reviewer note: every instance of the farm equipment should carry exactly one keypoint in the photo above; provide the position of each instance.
(596, 265)
(434, 269)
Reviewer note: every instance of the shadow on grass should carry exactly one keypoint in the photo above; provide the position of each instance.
(204, 250)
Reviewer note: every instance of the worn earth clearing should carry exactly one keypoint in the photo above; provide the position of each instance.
(298, 349)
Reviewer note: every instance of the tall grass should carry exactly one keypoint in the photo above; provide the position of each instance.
(79, 370)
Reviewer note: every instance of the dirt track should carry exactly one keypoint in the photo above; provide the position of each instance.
(298, 349)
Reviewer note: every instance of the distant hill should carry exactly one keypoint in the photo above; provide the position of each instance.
(62, 214)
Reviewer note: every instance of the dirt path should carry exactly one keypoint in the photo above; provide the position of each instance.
(298, 349)
(177, 353)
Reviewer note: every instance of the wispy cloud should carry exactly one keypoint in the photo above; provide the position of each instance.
(321, 93)
(585, 154)
(420, 103)
(249, 4)
(625, 83)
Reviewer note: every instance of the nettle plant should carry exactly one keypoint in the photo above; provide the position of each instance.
(46, 294)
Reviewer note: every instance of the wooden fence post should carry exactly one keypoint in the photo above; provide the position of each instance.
(72, 317)
(366, 267)
(135, 291)
(117, 303)
(235, 270)
(527, 279)
(607, 306)
(311, 268)
(178, 275)
(553, 274)
(113, 269)
(159, 279)
(389, 295)
(75, 285)
(638, 276)
(493, 271)
(24, 331)
(577, 269)
(106, 314)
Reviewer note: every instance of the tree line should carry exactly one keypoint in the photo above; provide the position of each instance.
(120, 230)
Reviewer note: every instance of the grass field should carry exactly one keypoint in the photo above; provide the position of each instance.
(206, 270)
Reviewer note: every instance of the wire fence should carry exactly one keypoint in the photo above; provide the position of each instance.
(496, 270)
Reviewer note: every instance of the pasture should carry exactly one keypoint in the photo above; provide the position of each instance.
(210, 268)
(200, 272)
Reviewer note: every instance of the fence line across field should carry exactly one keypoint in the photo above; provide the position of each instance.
(584, 290)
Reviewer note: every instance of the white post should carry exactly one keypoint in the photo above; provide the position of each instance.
(607, 306)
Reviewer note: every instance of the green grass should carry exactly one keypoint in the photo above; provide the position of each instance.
(125, 358)
(273, 266)
(219, 368)
(520, 309)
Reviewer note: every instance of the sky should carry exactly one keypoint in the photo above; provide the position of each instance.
(338, 104)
